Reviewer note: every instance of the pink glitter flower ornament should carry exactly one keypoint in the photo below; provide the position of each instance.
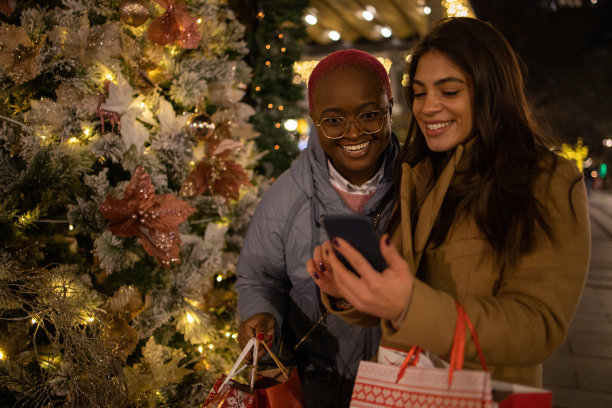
(154, 219)
(175, 25)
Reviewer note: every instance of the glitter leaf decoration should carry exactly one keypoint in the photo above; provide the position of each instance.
(18, 54)
(154, 219)
(176, 25)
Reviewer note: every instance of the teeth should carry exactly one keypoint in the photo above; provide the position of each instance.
(436, 126)
(356, 148)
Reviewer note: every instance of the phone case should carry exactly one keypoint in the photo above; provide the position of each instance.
(357, 230)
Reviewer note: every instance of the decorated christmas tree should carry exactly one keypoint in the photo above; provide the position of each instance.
(126, 186)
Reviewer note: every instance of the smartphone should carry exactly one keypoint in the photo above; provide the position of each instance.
(357, 230)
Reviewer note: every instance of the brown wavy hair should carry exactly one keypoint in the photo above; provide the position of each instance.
(504, 159)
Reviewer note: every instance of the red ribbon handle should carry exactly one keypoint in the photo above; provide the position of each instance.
(457, 351)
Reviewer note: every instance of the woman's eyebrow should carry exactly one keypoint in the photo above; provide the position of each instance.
(440, 81)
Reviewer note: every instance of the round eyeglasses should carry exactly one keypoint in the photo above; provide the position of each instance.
(335, 127)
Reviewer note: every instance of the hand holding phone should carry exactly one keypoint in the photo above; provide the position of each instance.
(357, 230)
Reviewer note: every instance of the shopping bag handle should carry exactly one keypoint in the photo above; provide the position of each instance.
(457, 351)
(251, 344)
(276, 360)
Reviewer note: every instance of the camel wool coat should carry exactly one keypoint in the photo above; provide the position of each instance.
(521, 318)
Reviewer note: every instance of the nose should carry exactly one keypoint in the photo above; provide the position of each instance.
(431, 104)
(353, 131)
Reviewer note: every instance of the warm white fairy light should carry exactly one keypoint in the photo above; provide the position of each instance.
(211, 346)
(33, 321)
(291, 125)
(311, 19)
(200, 20)
(71, 227)
(386, 32)
(234, 336)
(219, 278)
(367, 15)
(334, 35)
(228, 334)
(200, 349)
(1, 355)
(456, 8)
(73, 140)
(190, 318)
(427, 10)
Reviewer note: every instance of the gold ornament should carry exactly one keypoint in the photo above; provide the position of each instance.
(199, 127)
(133, 12)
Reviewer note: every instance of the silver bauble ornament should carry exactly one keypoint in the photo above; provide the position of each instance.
(199, 126)
(133, 12)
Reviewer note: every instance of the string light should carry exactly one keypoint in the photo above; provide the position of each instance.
(281, 107)
(456, 8)
(70, 227)
(234, 336)
(268, 63)
(190, 318)
(267, 46)
(86, 131)
(1, 355)
(200, 20)
(283, 49)
(311, 19)
(228, 334)
(257, 88)
(291, 125)
(333, 35)
(276, 147)
(278, 125)
(219, 278)
(211, 346)
(270, 106)
(280, 36)
(201, 349)
(34, 321)
(73, 140)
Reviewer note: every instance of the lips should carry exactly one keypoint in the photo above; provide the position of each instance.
(438, 125)
(356, 147)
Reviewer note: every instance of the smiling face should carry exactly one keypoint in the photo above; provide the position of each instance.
(443, 103)
(348, 92)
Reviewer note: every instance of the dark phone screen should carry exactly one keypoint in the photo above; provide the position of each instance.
(357, 230)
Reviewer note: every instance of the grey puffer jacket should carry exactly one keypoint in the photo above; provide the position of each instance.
(272, 276)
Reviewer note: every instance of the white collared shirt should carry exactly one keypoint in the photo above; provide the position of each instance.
(343, 184)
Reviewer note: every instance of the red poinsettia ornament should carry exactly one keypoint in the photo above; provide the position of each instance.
(154, 219)
(175, 25)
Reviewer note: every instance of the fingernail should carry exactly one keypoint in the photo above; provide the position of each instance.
(387, 240)
(260, 336)
(336, 242)
(321, 267)
(315, 275)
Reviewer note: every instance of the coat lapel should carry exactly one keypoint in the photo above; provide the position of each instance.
(430, 208)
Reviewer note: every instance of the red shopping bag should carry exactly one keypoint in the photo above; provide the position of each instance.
(409, 385)
(276, 388)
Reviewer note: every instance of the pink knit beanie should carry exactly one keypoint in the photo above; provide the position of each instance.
(350, 57)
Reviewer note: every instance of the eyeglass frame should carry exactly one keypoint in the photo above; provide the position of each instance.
(354, 122)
